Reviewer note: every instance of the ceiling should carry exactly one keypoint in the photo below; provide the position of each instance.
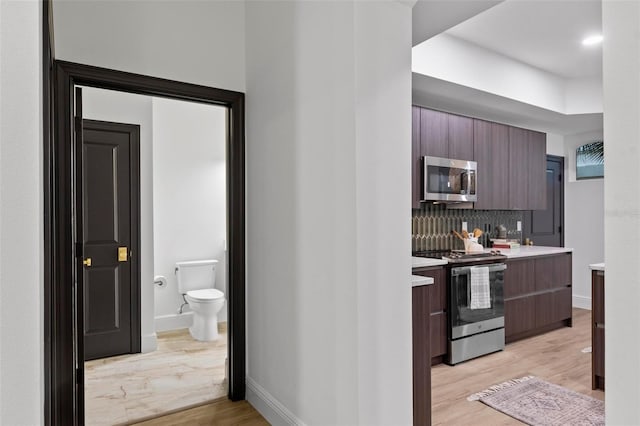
(432, 17)
(544, 34)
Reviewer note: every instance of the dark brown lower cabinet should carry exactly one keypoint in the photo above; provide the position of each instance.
(537, 295)
(421, 356)
(597, 329)
(520, 315)
(437, 310)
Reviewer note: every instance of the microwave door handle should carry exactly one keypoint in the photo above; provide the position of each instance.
(469, 183)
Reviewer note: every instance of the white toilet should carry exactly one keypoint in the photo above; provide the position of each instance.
(196, 280)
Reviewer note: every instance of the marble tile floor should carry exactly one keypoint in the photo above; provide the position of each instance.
(181, 373)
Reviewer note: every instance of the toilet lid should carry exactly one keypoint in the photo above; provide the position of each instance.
(205, 294)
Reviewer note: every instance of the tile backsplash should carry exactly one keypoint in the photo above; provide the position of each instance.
(432, 225)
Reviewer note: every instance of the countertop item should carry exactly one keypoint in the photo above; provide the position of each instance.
(597, 266)
(529, 251)
(422, 262)
(418, 280)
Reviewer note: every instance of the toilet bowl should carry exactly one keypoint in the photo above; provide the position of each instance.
(196, 280)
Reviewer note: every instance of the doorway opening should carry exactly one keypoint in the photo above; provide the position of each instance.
(64, 231)
(173, 154)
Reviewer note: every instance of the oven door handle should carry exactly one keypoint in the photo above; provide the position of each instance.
(494, 267)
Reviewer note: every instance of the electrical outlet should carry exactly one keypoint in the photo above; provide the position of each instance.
(519, 226)
(464, 226)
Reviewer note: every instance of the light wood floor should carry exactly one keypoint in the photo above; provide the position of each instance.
(221, 413)
(181, 373)
(555, 357)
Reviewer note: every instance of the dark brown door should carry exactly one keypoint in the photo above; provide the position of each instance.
(546, 227)
(110, 216)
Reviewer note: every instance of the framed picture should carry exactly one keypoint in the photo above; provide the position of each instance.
(590, 161)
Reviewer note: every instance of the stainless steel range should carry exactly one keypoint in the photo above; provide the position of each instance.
(475, 303)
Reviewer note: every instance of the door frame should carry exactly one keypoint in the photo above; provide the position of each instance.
(133, 130)
(64, 389)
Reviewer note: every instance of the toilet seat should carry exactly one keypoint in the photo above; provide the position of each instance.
(205, 294)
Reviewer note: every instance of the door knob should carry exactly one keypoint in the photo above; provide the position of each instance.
(87, 261)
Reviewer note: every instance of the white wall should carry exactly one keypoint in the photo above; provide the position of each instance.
(452, 59)
(555, 144)
(120, 107)
(189, 197)
(21, 219)
(328, 130)
(583, 95)
(621, 82)
(192, 41)
(584, 219)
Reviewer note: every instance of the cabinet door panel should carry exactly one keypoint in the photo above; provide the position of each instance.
(491, 152)
(434, 129)
(597, 299)
(500, 166)
(544, 306)
(598, 351)
(437, 290)
(482, 153)
(562, 304)
(519, 315)
(460, 137)
(519, 278)
(537, 174)
(438, 327)
(518, 168)
(545, 279)
(416, 161)
(562, 269)
(553, 272)
(421, 350)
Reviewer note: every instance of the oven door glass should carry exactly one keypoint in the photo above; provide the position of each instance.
(464, 320)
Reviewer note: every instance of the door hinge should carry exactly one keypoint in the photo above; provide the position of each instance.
(559, 178)
(559, 229)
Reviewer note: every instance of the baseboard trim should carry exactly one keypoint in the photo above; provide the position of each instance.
(174, 321)
(270, 408)
(149, 343)
(581, 302)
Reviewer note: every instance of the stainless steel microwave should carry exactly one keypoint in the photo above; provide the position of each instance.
(447, 180)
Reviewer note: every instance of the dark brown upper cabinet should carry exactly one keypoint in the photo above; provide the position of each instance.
(434, 133)
(527, 169)
(537, 160)
(460, 138)
(491, 152)
(518, 169)
(416, 160)
(511, 161)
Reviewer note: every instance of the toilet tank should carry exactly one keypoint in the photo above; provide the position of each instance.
(196, 275)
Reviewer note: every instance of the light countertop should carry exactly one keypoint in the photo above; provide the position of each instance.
(597, 266)
(422, 262)
(418, 280)
(529, 251)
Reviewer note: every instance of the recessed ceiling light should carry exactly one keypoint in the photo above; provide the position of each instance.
(591, 40)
